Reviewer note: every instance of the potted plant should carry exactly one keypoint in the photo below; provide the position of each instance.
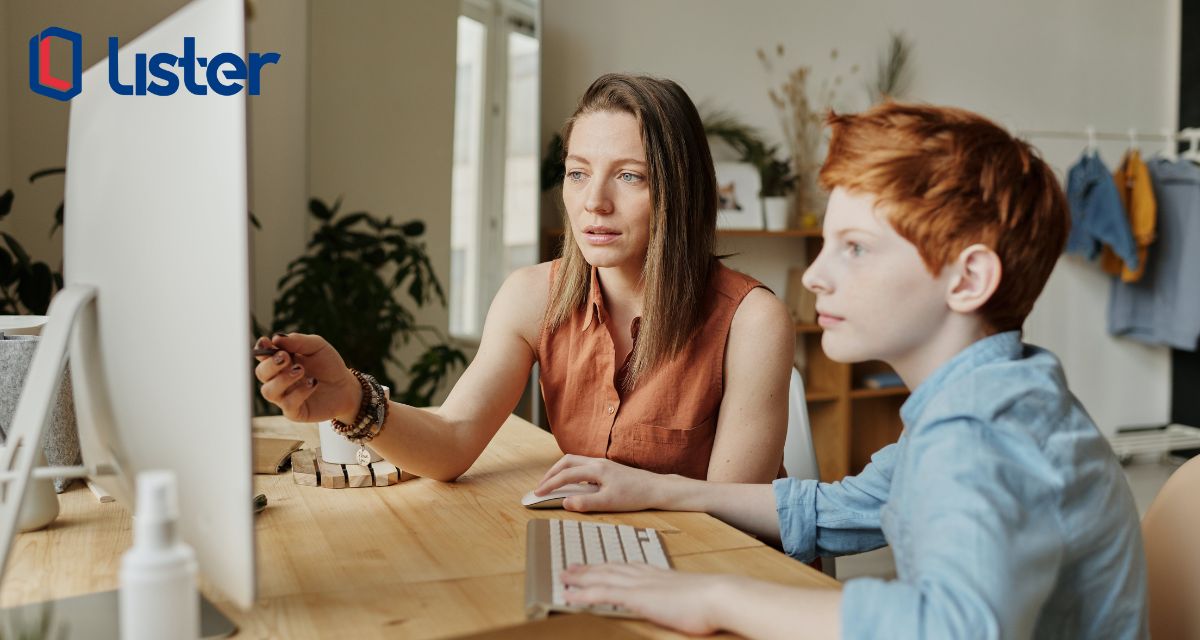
(26, 285)
(778, 182)
(776, 176)
(344, 288)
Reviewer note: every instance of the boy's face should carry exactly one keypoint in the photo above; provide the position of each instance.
(876, 300)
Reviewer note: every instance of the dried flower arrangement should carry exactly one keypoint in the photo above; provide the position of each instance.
(801, 119)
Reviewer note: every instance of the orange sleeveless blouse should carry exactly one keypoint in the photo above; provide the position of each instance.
(668, 422)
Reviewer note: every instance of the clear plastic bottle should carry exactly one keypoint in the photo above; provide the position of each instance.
(158, 595)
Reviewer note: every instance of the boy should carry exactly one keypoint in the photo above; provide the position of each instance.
(1008, 515)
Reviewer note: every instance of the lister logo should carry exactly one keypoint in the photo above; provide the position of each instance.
(41, 79)
(159, 74)
(161, 66)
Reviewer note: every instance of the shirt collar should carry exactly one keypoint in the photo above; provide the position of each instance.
(994, 348)
(595, 303)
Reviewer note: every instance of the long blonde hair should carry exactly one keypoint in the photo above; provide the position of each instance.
(683, 194)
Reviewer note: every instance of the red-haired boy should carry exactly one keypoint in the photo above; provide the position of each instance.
(1006, 510)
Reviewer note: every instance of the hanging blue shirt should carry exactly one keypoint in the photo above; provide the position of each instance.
(1008, 515)
(1097, 215)
(1162, 307)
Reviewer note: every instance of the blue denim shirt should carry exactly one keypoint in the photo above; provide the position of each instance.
(1097, 215)
(1007, 512)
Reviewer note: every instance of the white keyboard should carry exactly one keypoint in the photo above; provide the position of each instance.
(554, 545)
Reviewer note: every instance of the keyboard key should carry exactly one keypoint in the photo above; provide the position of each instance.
(591, 543)
(556, 561)
(572, 543)
(612, 544)
(654, 553)
(629, 541)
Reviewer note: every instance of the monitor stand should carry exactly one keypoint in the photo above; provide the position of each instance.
(92, 616)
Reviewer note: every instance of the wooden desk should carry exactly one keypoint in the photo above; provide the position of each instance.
(418, 559)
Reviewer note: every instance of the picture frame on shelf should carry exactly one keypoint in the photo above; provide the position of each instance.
(738, 204)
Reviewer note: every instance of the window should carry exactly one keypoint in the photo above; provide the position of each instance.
(494, 203)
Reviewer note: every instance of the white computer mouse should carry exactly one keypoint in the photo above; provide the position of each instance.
(554, 499)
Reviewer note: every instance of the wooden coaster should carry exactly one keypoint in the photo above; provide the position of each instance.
(310, 470)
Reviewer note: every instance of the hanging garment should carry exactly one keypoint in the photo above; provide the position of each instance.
(1097, 216)
(1163, 306)
(1137, 197)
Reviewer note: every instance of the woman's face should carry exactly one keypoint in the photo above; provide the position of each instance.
(606, 189)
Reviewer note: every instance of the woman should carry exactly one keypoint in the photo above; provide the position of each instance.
(651, 352)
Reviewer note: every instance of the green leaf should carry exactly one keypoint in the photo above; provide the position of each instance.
(35, 289)
(319, 210)
(8, 272)
(6, 201)
(58, 219)
(414, 228)
(254, 221)
(351, 219)
(18, 251)
(46, 172)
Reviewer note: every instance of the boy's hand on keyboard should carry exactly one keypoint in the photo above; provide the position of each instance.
(622, 488)
(681, 601)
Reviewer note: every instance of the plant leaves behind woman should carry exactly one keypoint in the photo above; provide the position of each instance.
(344, 289)
(26, 285)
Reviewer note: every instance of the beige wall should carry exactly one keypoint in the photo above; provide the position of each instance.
(381, 116)
(278, 140)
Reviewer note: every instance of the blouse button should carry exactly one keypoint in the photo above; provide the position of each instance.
(610, 409)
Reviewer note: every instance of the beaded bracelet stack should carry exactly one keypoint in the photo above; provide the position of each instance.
(372, 415)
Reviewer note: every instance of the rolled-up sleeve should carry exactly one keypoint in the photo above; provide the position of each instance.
(981, 541)
(829, 519)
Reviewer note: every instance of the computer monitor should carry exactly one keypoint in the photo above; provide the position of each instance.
(156, 227)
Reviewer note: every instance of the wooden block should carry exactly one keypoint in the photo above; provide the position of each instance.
(358, 475)
(304, 461)
(332, 476)
(385, 473)
(304, 468)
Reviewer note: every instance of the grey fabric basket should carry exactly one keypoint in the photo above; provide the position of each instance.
(61, 439)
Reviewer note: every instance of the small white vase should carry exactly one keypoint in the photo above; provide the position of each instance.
(776, 209)
(337, 449)
(40, 506)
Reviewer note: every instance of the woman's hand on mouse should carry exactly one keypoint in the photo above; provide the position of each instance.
(622, 488)
(306, 378)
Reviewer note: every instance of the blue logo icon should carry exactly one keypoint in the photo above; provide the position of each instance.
(41, 78)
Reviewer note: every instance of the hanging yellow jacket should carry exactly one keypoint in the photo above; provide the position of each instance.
(1137, 195)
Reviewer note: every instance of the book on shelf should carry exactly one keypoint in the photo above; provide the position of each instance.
(882, 380)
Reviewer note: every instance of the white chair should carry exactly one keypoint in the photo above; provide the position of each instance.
(799, 455)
